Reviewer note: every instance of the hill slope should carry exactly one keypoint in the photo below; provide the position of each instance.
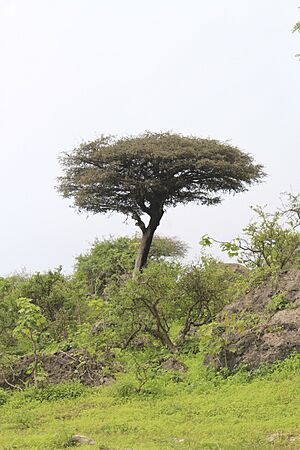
(218, 414)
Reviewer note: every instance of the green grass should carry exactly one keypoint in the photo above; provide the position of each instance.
(228, 414)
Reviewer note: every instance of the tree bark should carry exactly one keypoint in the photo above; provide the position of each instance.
(162, 335)
(146, 241)
(166, 341)
(161, 332)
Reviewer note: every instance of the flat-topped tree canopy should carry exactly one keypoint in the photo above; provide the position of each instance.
(145, 174)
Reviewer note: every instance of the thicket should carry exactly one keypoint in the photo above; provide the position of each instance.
(170, 308)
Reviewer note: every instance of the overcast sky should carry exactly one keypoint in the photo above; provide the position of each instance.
(73, 69)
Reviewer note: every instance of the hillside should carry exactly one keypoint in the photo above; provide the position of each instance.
(269, 324)
(197, 413)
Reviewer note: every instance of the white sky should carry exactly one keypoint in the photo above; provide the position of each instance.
(73, 69)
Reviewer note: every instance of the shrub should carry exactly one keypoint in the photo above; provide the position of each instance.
(278, 302)
(55, 392)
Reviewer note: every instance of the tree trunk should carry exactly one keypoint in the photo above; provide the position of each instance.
(161, 332)
(146, 241)
(166, 341)
(162, 335)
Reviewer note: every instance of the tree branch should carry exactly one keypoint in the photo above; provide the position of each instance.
(139, 221)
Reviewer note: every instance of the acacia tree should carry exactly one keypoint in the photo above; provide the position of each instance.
(142, 175)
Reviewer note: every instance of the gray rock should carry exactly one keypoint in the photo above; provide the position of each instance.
(77, 439)
(173, 364)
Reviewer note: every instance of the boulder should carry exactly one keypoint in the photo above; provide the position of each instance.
(77, 439)
(173, 364)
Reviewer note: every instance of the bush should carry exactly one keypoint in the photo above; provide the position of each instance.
(278, 302)
(125, 388)
(55, 392)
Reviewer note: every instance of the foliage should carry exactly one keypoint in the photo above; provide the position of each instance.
(30, 325)
(62, 300)
(166, 303)
(146, 304)
(54, 392)
(216, 338)
(202, 409)
(144, 175)
(143, 368)
(8, 311)
(111, 260)
(278, 302)
(272, 242)
(30, 320)
(204, 291)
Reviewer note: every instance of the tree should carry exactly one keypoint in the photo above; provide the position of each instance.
(30, 325)
(143, 175)
(166, 301)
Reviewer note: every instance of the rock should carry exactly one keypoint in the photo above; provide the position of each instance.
(173, 364)
(277, 332)
(77, 439)
(281, 436)
(61, 366)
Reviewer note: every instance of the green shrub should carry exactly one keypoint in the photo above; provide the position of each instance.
(125, 387)
(55, 392)
(278, 303)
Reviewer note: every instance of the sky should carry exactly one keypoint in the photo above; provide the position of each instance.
(74, 69)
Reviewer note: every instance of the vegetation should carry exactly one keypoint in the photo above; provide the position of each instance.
(144, 175)
(113, 259)
(101, 308)
(198, 411)
(155, 360)
(150, 338)
(272, 242)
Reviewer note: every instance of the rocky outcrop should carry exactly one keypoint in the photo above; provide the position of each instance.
(269, 324)
(72, 365)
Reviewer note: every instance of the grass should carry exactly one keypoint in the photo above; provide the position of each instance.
(263, 413)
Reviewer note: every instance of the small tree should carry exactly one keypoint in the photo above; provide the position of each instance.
(166, 301)
(270, 242)
(30, 325)
(144, 175)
